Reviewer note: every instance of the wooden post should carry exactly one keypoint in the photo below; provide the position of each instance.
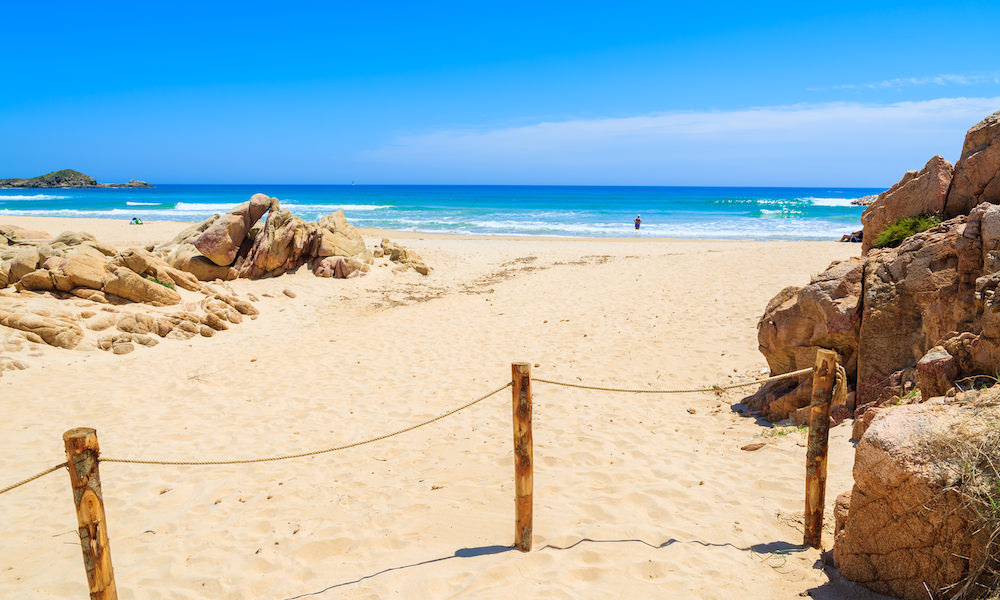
(819, 437)
(82, 452)
(523, 478)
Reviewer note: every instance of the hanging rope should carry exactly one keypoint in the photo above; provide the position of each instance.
(32, 478)
(714, 388)
(244, 461)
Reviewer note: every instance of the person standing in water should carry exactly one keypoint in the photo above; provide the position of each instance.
(638, 221)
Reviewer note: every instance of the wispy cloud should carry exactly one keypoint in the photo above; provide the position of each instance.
(900, 82)
(770, 144)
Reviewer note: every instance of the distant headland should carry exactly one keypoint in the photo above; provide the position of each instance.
(68, 178)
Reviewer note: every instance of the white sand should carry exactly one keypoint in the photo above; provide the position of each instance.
(635, 496)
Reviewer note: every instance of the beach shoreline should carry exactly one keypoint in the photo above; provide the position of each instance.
(633, 494)
(552, 211)
(120, 231)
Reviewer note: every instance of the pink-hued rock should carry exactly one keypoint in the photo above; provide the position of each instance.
(935, 372)
(83, 267)
(221, 242)
(799, 321)
(12, 234)
(907, 526)
(977, 172)
(917, 193)
(187, 258)
(278, 247)
(339, 267)
(916, 295)
(286, 242)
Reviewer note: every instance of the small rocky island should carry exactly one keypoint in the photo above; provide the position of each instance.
(67, 178)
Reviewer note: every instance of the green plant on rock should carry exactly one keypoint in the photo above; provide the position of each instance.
(163, 283)
(894, 234)
(910, 397)
(784, 431)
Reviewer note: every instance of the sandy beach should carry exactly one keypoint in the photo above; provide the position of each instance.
(636, 495)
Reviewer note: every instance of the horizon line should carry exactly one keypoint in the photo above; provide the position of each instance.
(510, 185)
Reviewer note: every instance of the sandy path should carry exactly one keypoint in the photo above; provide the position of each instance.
(635, 495)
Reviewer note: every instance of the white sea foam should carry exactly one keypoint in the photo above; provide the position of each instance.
(214, 208)
(196, 206)
(332, 207)
(835, 202)
(32, 197)
(788, 212)
(142, 203)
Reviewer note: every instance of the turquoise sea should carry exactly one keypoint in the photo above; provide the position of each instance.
(571, 211)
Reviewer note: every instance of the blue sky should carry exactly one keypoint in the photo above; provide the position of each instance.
(624, 93)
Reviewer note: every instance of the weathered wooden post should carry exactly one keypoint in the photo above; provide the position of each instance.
(82, 454)
(819, 437)
(523, 478)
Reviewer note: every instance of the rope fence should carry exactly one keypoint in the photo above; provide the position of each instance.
(83, 458)
(714, 388)
(244, 461)
(32, 478)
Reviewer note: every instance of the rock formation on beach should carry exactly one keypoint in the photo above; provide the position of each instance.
(236, 245)
(111, 289)
(916, 323)
(101, 278)
(890, 307)
(797, 322)
(918, 518)
(67, 178)
(864, 200)
(917, 193)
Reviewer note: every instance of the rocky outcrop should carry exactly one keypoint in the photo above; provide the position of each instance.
(84, 270)
(338, 237)
(54, 331)
(799, 321)
(126, 283)
(928, 327)
(149, 265)
(12, 234)
(910, 526)
(237, 245)
(938, 288)
(404, 257)
(67, 178)
(917, 193)
(977, 172)
(221, 240)
(915, 295)
(181, 254)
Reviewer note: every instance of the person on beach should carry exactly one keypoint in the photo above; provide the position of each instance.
(638, 221)
(135, 221)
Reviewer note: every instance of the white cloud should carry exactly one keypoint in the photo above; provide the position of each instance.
(772, 145)
(899, 82)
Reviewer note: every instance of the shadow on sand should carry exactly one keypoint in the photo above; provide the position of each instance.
(461, 553)
(837, 588)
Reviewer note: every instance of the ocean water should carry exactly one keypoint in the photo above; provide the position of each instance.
(755, 213)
